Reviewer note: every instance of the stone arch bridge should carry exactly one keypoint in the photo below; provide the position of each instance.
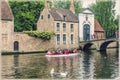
(100, 44)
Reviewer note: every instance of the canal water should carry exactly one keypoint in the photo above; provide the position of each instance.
(87, 65)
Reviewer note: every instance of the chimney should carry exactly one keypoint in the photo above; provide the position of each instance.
(45, 4)
(72, 6)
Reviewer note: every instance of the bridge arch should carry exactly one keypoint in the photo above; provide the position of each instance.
(88, 45)
(104, 45)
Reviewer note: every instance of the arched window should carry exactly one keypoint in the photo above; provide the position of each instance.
(16, 46)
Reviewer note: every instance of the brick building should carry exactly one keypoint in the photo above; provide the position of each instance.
(89, 28)
(63, 22)
(7, 26)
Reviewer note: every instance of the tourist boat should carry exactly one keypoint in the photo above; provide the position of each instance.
(61, 55)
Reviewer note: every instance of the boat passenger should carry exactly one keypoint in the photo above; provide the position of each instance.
(66, 51)
(71, 51)
(60, 52)
(63, 51)
(53, 52)
(75, 50)
(49, 52)
(78, 51)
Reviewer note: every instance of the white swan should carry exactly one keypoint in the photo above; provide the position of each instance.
(52, 71)
(62, 74)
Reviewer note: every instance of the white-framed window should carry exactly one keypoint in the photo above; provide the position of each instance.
(72, 38)
(58, 39)
(58, 26)
(48, 16)
(41, 16)
(64, 27)
(64, 38)
(71, 28)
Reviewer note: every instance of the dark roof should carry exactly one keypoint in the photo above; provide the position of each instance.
(98, 26)
(6, 12)
(59, 14)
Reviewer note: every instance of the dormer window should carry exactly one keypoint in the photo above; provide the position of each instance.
(48, 16)
(64, 16)
(41, 16)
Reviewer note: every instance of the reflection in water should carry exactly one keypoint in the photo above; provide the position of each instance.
(71, 67)
(64, 64)
(16, 65)
(87, 65)
(58, 64)
(103, 54)
(80, 67)
(107, 65)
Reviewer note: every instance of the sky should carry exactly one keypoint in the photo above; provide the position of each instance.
(86, 3)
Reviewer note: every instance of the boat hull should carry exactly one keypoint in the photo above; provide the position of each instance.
(62, 55)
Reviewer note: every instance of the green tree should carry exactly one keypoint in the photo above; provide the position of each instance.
(105, 14)
(66, 5)
(26, 14)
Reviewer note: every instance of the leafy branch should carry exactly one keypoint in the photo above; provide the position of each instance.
(40, 34)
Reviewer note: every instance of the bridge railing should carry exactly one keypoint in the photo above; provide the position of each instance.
(105, 39)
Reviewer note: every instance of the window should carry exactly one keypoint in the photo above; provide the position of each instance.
(72, 38)
(4, 38)
(71, 28)
(64, 38)
(64, 27)
(58, 38)
(58, 26)
(16, 46)
(41, 16)
(48, 16)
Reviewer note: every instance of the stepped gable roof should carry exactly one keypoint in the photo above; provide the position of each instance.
(98, 26)
(63, 15)
(6, 13)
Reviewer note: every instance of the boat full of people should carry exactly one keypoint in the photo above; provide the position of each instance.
(62, 53)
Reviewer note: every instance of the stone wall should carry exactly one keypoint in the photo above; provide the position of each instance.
(7, 30)
(99, 35)
(27, 43)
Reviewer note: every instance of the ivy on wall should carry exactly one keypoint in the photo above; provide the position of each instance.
(40, 34)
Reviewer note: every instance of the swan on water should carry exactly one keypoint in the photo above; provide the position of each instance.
(62, 74)
(52, 71)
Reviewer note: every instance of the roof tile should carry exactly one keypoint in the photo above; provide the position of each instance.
(98, 26)
(6, 12)
(58, 15)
